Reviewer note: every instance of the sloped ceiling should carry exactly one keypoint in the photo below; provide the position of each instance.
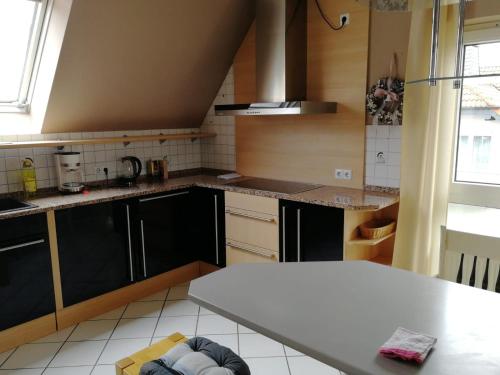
(143, 64)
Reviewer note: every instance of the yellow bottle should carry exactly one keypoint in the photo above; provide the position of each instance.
(29, 177)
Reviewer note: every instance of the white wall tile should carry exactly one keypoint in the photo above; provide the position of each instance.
(386, 139)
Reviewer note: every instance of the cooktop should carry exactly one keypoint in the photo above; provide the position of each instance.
(277, 186)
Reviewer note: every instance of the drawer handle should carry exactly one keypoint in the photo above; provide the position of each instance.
(162, 196)
(26, 244)
(250, 250)
(250, 216)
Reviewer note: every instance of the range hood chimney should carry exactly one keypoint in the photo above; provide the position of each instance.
(281, 63)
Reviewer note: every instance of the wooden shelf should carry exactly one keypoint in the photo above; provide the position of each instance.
(367, 242)
(126, 140)
(381, 259)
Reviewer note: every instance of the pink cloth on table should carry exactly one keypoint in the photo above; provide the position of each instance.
(408, 345)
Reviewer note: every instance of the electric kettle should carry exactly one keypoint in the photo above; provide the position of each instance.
(130, 169)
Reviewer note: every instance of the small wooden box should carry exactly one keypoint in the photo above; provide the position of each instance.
(132, 365)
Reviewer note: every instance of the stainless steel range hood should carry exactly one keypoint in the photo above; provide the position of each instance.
(281, 63)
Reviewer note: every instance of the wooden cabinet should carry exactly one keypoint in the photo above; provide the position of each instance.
(95, 250)
(26, 286)
(252, 226)
(208, 225)
(162, 225)
(310, 233)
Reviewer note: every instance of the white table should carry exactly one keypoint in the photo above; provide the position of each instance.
(341, 312)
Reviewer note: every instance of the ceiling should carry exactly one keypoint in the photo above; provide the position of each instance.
(136, 64)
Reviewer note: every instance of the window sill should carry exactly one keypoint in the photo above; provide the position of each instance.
(473, 219)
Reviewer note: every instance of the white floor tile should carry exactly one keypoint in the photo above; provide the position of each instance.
(269, 366)
(113, 314)
(32, 356)
(118, 349)
(104, 370)
(178, 292)
(215, 325)
(243, 329)
(5, 355)
(80, 370)
(256, 345)
(205, 311)
(93, 330)
(292, 352)
(308, 365)
(179, 308)
(229, 341)
(145, 309)
(135, 328)
(59, 336)
(171, 324)
(22, 372)
(160, 296)
(83, 353)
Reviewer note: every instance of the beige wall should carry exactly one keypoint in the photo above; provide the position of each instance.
(130, 64)
(309, 148)
(483, 8)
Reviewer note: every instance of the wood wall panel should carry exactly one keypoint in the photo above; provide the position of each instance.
(310, 148)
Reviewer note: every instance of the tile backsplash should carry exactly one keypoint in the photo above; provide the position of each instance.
(181, 154)
(220, 152)
(383, 155)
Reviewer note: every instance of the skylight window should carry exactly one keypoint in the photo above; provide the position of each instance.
(21, 23)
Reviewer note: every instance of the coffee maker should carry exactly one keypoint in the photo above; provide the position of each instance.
(69, 173)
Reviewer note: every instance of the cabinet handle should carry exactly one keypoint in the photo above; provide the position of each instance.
(283, 232)
(250, 216)
(216, 231)
(298, 235)
(129, 244)
(26, 244)
(250, 250)
(163, 196)
(143, 250)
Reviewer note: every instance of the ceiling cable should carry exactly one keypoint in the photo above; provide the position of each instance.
(327, 20)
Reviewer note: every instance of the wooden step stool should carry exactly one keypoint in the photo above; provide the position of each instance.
(132, 365)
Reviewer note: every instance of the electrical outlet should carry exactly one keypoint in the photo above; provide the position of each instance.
(343, 174)
(98, 170)
(346, 17)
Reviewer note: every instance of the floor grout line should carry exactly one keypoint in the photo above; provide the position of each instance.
(60, 347)
(159, 316)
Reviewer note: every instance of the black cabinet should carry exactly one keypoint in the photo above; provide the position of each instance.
(209, 227)
(163, 223)
(95, 250)
(26, 285)
(310, 233)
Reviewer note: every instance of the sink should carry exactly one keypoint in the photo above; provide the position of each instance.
(12, 204)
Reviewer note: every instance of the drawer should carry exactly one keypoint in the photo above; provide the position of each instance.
(237, 252)
(252, 227)
(252, 203)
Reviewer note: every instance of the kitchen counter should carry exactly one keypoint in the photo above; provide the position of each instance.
(349, 199)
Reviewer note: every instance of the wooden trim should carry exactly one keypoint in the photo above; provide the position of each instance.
(26, 332)
(82, 311)
(108, 140)
(54, 256)
(206, 268)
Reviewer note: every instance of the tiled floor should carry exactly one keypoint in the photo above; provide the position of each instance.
(92, 347)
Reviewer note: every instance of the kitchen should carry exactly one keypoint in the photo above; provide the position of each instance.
(135, 170)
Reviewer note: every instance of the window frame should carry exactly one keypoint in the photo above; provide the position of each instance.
(473, 193)
(32, 60)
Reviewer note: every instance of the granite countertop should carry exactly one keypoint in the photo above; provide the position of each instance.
(350, 199)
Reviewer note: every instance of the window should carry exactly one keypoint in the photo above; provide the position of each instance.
(478, 149)
(21, 23)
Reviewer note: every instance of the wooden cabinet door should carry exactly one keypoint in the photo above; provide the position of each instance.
(26, 286)
(163, 224)
(95, 250)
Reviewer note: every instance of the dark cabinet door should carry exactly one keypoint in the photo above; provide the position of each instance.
(26, 285)
(95, 250)
(163, 224)
(310, 233)
(209, 229)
